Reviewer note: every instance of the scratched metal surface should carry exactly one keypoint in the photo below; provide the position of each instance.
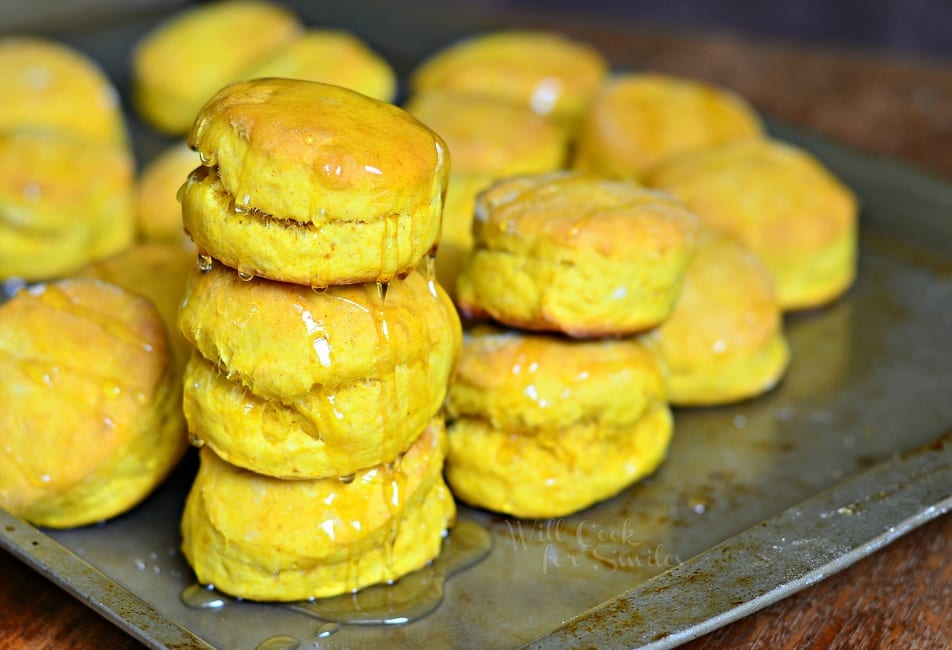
(869, 381)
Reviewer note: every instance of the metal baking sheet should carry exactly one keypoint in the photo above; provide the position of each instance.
(843, 456)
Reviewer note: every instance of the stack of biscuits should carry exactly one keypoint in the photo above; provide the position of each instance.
(569, 405)
(323, 344)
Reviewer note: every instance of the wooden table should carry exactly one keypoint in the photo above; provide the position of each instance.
(898, 597)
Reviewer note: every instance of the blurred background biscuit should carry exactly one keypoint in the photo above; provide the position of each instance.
(724, 341)
(488, 140)
(180, 64)
(90, 405)
(64, 202)
(783, 204)
(49, 86)
(557, 80)
(637, 121)
(331, 56)
(158, 211)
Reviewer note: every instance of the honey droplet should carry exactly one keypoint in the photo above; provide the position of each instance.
(199, 596)
(208, 159)
(327, 629)
(205, 262)
(279, 642)
(183, 188)
(245, 276)
(382, 289)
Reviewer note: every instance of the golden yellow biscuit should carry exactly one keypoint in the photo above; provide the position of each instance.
(724, 341)
(49, 86)
(242, 531)
(64, 201)
(331, 56)
(158, 212)
(337, 252)
(576, 254)
(543, 426)
(546, 72)
(312, 152)
(328, 340)
(158, 272)
(488, 140)
(312, 170)
(637, 121)
(525, 382)
(557, 472)
(783, 205)
(179, 65)
(488, 137)
(90, 413)
(330, 431)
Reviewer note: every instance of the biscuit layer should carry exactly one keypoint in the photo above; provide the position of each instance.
(315, 153)
(557, 471)
(338, 251)
(264, 538)
(282, 341)
(576, 254)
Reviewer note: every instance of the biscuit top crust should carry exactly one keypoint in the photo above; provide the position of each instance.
(638, 121)
(332, 56)
(489, 137)
(215, 43)
(313, 152)
(546, 72)
(563, 215)
(49, 86)
(773, 195)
